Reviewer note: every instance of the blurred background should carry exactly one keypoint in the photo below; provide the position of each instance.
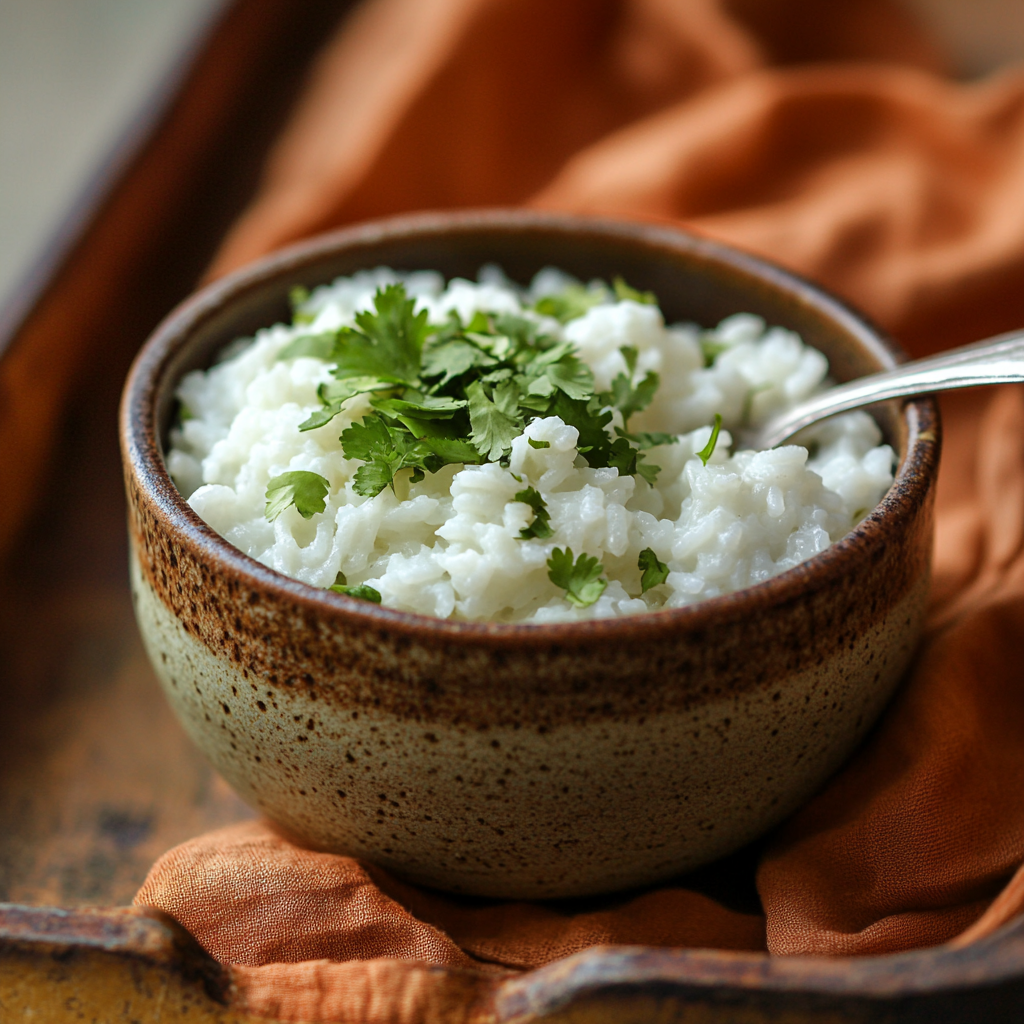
(76, 74)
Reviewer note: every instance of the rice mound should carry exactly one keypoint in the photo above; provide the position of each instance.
(449, 545)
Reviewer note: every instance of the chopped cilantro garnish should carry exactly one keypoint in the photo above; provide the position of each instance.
(711, 349)
(306, 491)
(654, 572)
(572, 301)
(297, 298)
(384, 449)
(336, 393)
(494, 418)
(645, 439)
(590, 420)
(709, 449)
(319, 346)
(452, 359)
(541, 525)
(559, 368)
(389, 342)
(629, 399)
(582, 581)
(461, 393)
(623, 291)
(361, 592)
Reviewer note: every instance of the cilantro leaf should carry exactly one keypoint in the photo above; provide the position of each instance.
(458, 393)
(560, 368)
(631, 354)
(712, 349)
(495, 420)
(452, 450)
(624, 291)
(306, 491)
(520, 333)
(624, 395)
(334, 394)
(623, 456)
(320, 418)
(421, 405)
(572, 376)
(422, 428)
(389, 343)
(654, 571)
(629, 461)
(645, 439)
(630, 399)
(338, 391)
(387, 448)
(362, 592)
(453, 359)
(319, 346)
(358, 356)
(582, 581)
(541, 525)
(571, 302)
(709, 449)
(590, 423)
(384, 450)
(297, 298)
(648, 470)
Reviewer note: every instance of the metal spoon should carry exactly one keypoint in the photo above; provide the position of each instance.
(998, 360)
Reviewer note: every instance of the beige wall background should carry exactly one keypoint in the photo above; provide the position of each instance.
(73, 73)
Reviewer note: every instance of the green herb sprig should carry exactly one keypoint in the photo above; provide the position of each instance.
(306, 491)
(361, 592)
(460, 393)
(541, 525)
(653, 571)
(709, 449)
(582, 581)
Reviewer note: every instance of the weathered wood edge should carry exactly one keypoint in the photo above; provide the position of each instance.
(983, 982)
(122, 964)
(107, 965)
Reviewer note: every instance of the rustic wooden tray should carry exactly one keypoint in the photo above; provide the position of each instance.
(96, 777)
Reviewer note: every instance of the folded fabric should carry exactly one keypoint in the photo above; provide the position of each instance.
(251, 897)
(823, 136)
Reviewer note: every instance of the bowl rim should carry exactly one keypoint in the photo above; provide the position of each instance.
(142, 449)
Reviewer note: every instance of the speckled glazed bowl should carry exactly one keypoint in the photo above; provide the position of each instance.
(517, 760)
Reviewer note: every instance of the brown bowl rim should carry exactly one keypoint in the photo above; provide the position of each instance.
(142, 450)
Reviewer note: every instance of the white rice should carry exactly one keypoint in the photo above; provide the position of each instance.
(449, 545)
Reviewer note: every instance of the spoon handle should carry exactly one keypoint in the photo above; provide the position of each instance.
(997, 360)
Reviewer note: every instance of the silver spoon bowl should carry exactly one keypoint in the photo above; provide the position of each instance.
(998, 360)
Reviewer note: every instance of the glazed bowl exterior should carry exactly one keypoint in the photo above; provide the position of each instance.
(516, 760)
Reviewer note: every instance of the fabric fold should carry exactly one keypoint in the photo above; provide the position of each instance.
(249, 896)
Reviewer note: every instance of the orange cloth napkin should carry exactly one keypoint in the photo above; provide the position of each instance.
(823, 136)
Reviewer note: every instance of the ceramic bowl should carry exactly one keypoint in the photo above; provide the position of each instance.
(517, 760)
